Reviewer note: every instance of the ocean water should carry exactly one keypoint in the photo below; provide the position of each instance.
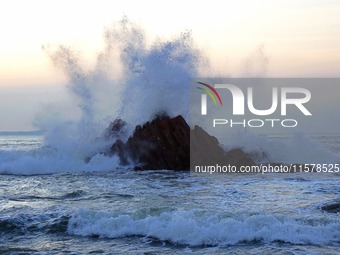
(51, 206)
(52, 202)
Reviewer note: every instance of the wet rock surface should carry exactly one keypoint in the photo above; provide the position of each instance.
(331, 208)
(206, 151)
(164, 143)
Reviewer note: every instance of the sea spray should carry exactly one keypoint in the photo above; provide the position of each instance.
(285, 148)
(147, 80)
(130, 79)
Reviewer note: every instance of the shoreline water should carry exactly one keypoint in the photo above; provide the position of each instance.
(166, 211)
(73, 210)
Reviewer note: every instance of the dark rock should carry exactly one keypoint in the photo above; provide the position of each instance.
(116, 129)
(204, 147)
(119, 148)
(238, 157)
(332, 208)
(206, 150)
(164, 143)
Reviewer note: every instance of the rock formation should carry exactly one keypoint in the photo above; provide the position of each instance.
(206, 150)
(332, 208)
(165, 143)
(115, 130)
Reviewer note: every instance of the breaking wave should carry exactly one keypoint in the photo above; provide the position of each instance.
(199, 228)
(131, 80)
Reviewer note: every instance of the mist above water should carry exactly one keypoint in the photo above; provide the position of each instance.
(129, 80)
(133, 80)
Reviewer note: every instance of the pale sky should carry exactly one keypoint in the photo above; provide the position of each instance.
(300, 38)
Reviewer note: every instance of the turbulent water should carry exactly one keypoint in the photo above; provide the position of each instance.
(125, 212)
(52, 202)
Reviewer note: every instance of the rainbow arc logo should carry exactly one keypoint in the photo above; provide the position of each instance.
(209, 90)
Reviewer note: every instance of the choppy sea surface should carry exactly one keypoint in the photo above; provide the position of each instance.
(47, 208)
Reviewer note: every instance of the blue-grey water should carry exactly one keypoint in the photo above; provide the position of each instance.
(50, 204)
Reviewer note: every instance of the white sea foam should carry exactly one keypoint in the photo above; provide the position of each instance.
(205, 228)
(31, 163)
(130, 80)
(133, 81)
